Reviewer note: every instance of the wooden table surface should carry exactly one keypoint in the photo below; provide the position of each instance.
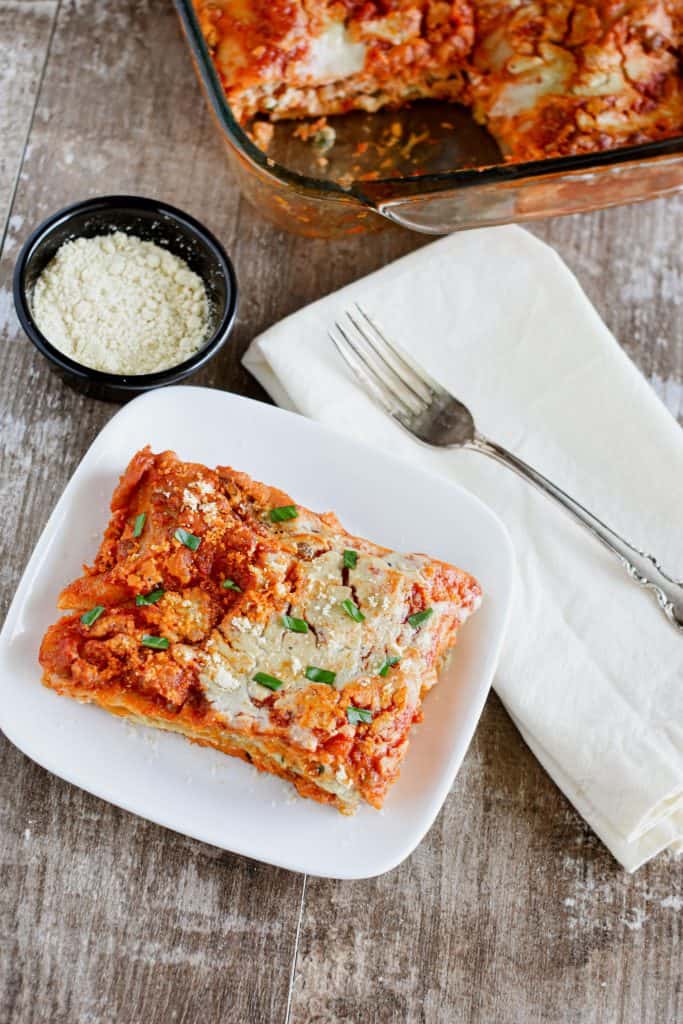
(510, 910)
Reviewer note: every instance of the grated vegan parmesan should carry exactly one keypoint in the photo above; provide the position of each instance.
(119, 304)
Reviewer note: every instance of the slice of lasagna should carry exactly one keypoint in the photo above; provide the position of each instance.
(219, 609)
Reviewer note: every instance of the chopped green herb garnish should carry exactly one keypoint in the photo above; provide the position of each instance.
(282, 513)
(321, 769)
(296, 625)
(350, 559)
(352, 610)
(356, 715)
(150, 598)
(231, 585)
(139, 524)
(188, 539)
(270, 681)
(419, 617)
(387, 665)
(320, 675)
(158, 643)
(87, 618)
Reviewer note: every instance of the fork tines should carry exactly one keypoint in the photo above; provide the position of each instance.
(392, 377)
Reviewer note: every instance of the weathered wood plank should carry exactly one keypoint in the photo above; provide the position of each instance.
(25, 34)
(107, 919)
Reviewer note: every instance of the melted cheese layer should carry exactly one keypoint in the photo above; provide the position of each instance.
(332, 56)
(381, 589)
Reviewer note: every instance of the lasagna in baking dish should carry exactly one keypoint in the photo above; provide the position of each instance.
(292, 58)
(560, 77)
(547, 77)
(220, 609)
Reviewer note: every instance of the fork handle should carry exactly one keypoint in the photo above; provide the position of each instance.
(644, 569)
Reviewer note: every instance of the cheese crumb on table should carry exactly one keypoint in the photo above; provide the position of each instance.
(121, 305)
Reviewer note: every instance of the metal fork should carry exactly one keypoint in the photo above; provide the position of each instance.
(434, 416)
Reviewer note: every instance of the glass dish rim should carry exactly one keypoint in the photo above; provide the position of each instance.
(406, 186)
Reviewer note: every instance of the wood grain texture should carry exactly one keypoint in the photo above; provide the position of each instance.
(511, 910)
(25, 30)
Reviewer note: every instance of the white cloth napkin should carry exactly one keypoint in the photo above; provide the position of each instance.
(591, 672)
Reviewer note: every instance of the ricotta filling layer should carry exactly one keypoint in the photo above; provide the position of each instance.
(332, 55)
(380, 589)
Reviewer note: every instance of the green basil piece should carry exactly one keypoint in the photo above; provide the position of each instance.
(283, 513)
(389, 663)
(151, 598)
(265, 680)
(352, 610)
(296, 625)
(356, 715)
(188, 539)
(320, 675)
(350, 559)
(419, 617)
(87, 618)
(157, 643)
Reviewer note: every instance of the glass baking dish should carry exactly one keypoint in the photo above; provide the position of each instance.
(428, 167)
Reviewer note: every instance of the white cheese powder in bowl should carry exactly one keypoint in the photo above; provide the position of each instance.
(121, 305)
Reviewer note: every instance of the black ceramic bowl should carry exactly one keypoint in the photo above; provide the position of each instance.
(152, 221)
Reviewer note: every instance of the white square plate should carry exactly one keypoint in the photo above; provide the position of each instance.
(198, 791)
